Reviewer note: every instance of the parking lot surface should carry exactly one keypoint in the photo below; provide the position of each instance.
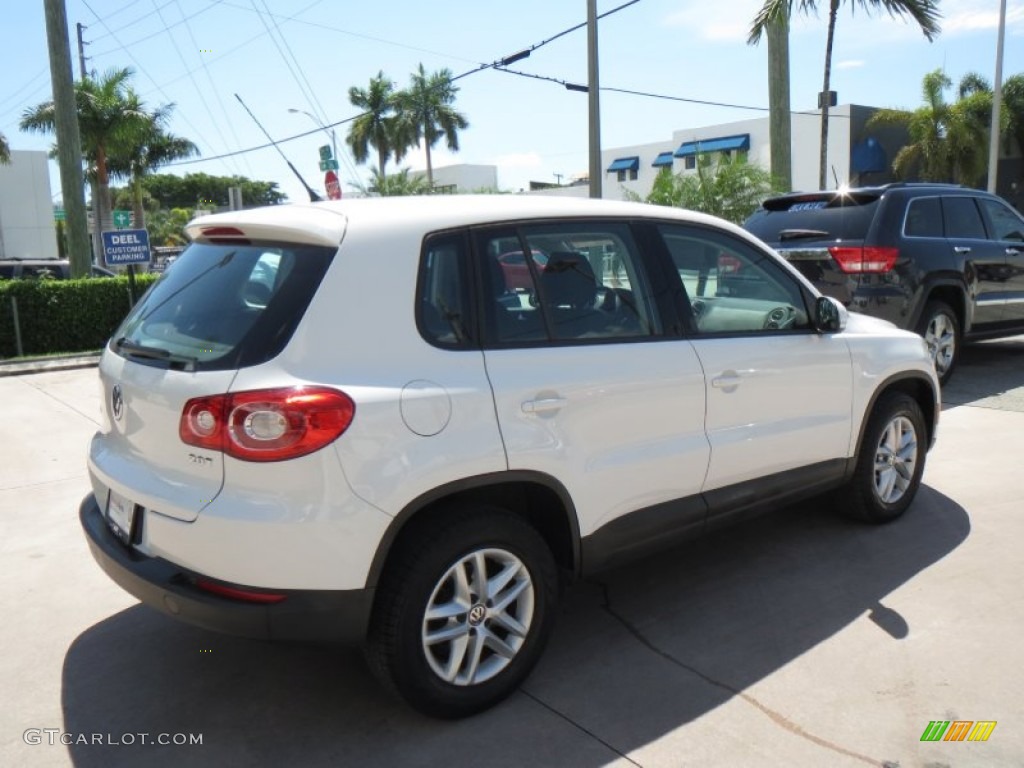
(794, 639)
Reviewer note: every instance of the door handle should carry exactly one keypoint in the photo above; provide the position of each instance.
(544, 405)
(961, 249)
(726, 381)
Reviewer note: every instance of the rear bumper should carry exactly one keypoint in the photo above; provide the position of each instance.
(305, 615)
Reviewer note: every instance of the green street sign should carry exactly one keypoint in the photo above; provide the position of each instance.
(59, 214)
(329, 165)
(122, 219)
(325, 153)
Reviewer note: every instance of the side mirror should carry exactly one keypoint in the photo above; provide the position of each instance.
(829, 315)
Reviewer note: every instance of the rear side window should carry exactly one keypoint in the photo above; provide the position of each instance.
(224, 306)
(924, 218)
(565, 282)
(826, 217)
(444, 296)
(963, 219)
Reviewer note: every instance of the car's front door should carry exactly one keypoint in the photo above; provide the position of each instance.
(588, 386)
(778, 393)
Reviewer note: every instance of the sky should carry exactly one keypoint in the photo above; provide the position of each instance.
(281, 55)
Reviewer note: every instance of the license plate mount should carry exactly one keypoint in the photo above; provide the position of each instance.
(121, 516)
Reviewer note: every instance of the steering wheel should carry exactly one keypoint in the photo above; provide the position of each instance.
(780, 318)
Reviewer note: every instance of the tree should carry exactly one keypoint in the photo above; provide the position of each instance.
(426, 112)
(948, 142)
(106, 113)
(5, 150)
(1013, 103)
(401, 183)
(167, 227)
(924, 12)
(144, 148)
(201, 190)
(731, 188)
(378, 126)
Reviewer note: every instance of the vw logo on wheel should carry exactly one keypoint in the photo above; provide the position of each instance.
(477, 614)
(116, 402)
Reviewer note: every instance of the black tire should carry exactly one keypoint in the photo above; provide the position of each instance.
(885, 481)
(424, 571)
(940, 328)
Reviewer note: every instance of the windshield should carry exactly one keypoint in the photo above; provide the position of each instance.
(824, 216)
(224, 306)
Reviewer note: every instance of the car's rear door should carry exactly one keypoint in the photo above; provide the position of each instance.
(589, 386)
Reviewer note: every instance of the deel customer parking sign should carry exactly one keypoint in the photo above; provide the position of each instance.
(126, 246)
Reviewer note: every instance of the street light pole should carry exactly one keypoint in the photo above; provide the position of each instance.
(997, 98)
(594, 90)
(329, 131)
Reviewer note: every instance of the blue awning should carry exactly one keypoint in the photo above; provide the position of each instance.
(721, 144)
(868, 157)
(625, 164)
(663, 158)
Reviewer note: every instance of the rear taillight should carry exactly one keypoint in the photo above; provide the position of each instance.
(239, 593)
(864, 259)
(267, 424)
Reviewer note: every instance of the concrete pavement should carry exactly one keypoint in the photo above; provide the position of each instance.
(797, 639)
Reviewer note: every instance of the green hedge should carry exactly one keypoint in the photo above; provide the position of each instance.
(64, 315)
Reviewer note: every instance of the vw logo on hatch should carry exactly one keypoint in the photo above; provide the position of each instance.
(116, 402)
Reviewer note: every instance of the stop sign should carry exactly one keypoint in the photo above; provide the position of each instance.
(332, 185)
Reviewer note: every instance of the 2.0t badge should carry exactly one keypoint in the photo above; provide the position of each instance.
(116, 402)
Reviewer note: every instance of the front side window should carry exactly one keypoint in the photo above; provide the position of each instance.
(1005, 223)
(733, 287)
(564, 282)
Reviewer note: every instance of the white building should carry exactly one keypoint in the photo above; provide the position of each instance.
(855, 155)
(27, 230)
(464, 178)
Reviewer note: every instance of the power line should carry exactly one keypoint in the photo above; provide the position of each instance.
(498, 65)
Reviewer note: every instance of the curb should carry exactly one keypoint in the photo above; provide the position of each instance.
(25, 366)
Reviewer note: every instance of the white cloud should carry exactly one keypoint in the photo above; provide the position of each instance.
(849, 64)
(964, 16)
(719, 22)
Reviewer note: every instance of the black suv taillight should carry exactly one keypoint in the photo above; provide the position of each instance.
(864, 259)
(267, 424)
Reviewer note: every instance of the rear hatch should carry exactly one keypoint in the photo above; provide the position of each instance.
(233, 299)
(826, 235)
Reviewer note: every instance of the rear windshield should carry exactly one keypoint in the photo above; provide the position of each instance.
(832, 216)
(223, 306)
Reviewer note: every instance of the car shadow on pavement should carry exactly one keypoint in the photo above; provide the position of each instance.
(987, 374)
(636, 654)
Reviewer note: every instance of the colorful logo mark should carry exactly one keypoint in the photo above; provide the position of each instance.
(958, 730)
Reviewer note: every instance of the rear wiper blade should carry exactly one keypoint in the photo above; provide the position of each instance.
(124, 344)
(801, 234)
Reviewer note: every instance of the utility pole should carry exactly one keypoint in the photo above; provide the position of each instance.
(594, 100)
(81, 51)
(69, 144)
(780, 125)
(997, 98)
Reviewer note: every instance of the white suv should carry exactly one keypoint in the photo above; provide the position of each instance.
(377, 420)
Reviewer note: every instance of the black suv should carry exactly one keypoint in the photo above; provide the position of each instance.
(943, 260)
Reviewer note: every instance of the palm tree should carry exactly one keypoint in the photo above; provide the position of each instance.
(105, 114)
(1013, 103)
(730, 188)
(400, 183)
(144, 147)
(427, 113)
(948, 142)
(924, 12)
(377, 126)
(5, 150)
